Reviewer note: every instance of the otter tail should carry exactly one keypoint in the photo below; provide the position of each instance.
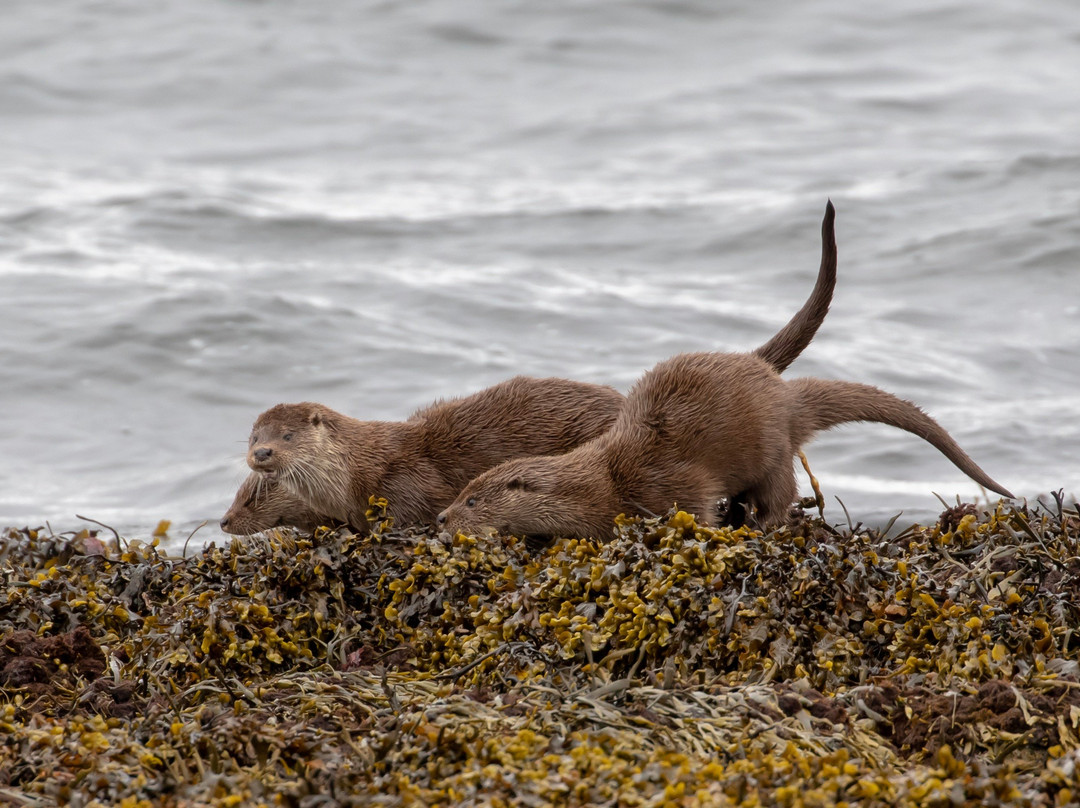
(821, 404)
(792, 339)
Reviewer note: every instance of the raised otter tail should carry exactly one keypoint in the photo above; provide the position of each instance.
(792, 339)
(821, 404)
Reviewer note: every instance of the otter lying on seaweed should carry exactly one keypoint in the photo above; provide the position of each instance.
(695, 428)
(261, 504)
(332, 464)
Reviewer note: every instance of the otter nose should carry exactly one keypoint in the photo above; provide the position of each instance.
(440, 520)
(262, 455)
(224, 523)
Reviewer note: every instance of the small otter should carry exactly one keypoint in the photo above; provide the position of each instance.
(695, 428)
(261, 504)
(422, 464)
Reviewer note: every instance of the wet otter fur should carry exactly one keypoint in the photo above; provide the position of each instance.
(695, 428)
(261, 504)
(333, 463)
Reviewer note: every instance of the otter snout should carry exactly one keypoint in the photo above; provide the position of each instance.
(232, 523)
(450, 521)
(263, 454)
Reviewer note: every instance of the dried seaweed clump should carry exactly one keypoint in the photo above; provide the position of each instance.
(673, 665)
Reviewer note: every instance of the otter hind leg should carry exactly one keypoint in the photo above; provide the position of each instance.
(773, 497)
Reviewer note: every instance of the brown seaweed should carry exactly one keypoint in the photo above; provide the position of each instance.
(672, 665)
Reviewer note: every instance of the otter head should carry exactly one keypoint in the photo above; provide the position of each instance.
(287, 433)
(301, 447)
(532, 496)
(261, 504)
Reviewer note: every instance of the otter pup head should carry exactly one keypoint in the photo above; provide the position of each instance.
(286, 434)
(261, 504)
(533, 496)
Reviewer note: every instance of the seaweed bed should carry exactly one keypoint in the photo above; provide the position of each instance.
(674, 665)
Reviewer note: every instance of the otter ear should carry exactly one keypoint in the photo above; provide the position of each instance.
(517, 482)
(316, 418)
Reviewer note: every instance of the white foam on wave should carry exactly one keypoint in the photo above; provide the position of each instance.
(81, 216)
(485, 195)
(968, 490)
(131, 262)
(341, 194)
(1020, 406)
(560, 290)
(131, 499)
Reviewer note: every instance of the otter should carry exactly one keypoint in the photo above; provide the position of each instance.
(261, 504)
(570, 412)
(333, 464)
(695, 428)
(421, 464)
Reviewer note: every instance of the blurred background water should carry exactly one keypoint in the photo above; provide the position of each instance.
(210, 207)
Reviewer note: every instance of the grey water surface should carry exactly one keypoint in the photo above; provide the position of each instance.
(209, 207)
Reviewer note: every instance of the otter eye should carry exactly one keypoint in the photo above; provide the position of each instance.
(287, 436)
(470, 502)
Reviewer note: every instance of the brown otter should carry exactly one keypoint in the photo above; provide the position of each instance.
(571, 412)
(421, 465)
(695, 428)
(261, 504)
(333, 463)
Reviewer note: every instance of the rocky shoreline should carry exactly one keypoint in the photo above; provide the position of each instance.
(673, 665)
